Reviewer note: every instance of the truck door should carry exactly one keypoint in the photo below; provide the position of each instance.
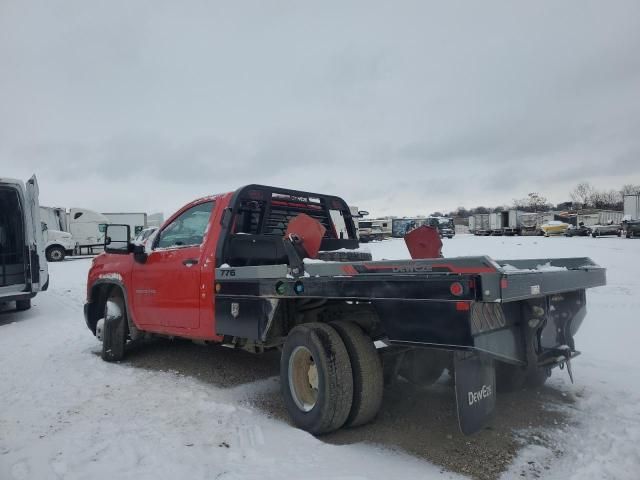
(167, 286)
(35, 237)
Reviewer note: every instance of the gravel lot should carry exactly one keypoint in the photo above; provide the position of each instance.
(419, 421)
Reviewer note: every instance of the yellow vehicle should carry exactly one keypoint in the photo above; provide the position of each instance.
(554, 227)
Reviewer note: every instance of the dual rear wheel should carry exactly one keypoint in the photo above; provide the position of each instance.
(331, 376)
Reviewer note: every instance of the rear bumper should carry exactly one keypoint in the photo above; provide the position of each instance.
(17, 296)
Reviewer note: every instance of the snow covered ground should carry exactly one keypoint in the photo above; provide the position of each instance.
(66, 414)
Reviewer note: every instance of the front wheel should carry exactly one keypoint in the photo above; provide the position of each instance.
(55, 254)
(112, 329)
(316, 378)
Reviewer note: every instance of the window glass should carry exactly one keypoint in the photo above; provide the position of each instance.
(188, 229)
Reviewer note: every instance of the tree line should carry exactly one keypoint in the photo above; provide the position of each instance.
(583, 196)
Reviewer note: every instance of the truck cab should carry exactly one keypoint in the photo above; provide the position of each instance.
(168, 284)
(23, 267)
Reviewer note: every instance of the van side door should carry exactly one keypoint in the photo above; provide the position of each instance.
(35, 237)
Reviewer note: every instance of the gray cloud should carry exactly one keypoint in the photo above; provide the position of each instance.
(401, 108)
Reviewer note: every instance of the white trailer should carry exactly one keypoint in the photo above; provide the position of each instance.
(137, 221)
(607, 217)
(481, 224)
(588, 219)
(512, 225)
(498, 222)
(472, 224)
(632, 207)
(155, 220)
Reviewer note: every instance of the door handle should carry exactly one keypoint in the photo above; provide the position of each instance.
(190, 262)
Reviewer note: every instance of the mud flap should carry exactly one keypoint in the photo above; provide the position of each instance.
(475, 379)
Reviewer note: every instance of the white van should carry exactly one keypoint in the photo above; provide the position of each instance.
(23, 266)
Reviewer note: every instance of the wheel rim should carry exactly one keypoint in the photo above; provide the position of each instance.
(56, 255)
(303, 378)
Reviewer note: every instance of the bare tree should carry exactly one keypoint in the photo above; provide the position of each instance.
(582, 193)
(612, 199)
(521, 204)
(537, 202)
(630, 189)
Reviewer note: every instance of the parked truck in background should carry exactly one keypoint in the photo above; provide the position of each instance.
(481, 224)
(498, 221)
(512, 223)
(137, 221)
(23, 267)
(631, 207)
(85, 226)
(445, 226)
(247, 270)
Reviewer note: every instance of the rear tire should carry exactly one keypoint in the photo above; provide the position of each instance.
(366, 367)
(114, 334)
(316, 378)
(55, 254)
(22, 305)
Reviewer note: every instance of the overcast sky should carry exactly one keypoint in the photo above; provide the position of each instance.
(399, 107)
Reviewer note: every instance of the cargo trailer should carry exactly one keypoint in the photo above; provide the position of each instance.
(482, 224)
(137, 221)
(632, 207)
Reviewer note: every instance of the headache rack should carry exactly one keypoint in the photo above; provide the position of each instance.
(259, 216)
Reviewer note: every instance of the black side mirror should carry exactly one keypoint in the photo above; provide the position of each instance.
(116, 239)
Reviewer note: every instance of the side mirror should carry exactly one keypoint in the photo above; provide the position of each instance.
(362, 213)
(116, 239)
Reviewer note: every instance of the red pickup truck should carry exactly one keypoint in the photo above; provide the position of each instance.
(270, 268)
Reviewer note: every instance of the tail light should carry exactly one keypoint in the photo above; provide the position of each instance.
(456, 289)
